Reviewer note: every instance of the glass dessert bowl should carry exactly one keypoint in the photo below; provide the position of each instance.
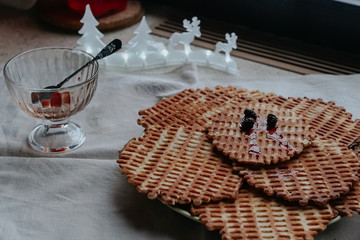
(28, 74)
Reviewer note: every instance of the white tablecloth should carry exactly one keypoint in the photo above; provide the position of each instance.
(82, 195)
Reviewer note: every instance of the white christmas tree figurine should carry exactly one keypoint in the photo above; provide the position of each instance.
(185, 38)
(142, 42)
(91, 40)
(228, 46)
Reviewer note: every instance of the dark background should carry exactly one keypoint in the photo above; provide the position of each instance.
(327, 23)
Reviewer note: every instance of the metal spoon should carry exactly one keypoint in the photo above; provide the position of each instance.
(109, 49)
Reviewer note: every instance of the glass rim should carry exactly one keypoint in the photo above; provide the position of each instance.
(7, 78)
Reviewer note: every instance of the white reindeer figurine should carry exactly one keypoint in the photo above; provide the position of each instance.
(228, 46)
(185, 38)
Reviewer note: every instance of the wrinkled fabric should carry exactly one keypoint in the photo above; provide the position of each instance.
(82, 194)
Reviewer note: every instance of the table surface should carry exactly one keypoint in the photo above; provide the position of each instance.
(82, 195)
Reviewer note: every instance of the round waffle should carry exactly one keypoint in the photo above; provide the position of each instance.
(179, 166)
(252, 216)
(323, 171)
(260, 145)
(194, 107)
(349, 204)
(328, 120)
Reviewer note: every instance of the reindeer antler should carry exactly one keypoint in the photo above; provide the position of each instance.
(186, 24)
(233, 37)
(195, 22)
(227, 37)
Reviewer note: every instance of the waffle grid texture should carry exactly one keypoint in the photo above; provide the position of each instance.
(327, 119)
(177, 162)
(252, 216)
(195, 107)
(178, 166)
(323, 171)
(228, 137)
(349, 204)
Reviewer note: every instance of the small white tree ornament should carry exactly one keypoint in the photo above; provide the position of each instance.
(140, 52)
(185, 38)
(142, 41)
(91, 36)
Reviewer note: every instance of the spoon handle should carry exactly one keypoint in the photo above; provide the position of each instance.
(109, 49)
(73, 74)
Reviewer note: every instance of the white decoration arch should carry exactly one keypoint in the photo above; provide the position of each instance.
(142, 52)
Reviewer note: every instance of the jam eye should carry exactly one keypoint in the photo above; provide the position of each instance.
(250, 114)
(271, 121)
(247, 124)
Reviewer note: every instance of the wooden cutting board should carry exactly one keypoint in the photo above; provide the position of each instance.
(58, 13)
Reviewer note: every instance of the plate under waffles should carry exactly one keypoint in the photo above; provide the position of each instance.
(178, 165)
(259, 145)
(176, 162)
(323, 171)
(252, 216)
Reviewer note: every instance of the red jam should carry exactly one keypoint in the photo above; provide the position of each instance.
(281, 139)
(273, 133)
(45, 103)
(66, 98)
(254, 149)
(56, 100)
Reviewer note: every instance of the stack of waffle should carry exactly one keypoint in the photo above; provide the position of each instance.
(286, 181)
